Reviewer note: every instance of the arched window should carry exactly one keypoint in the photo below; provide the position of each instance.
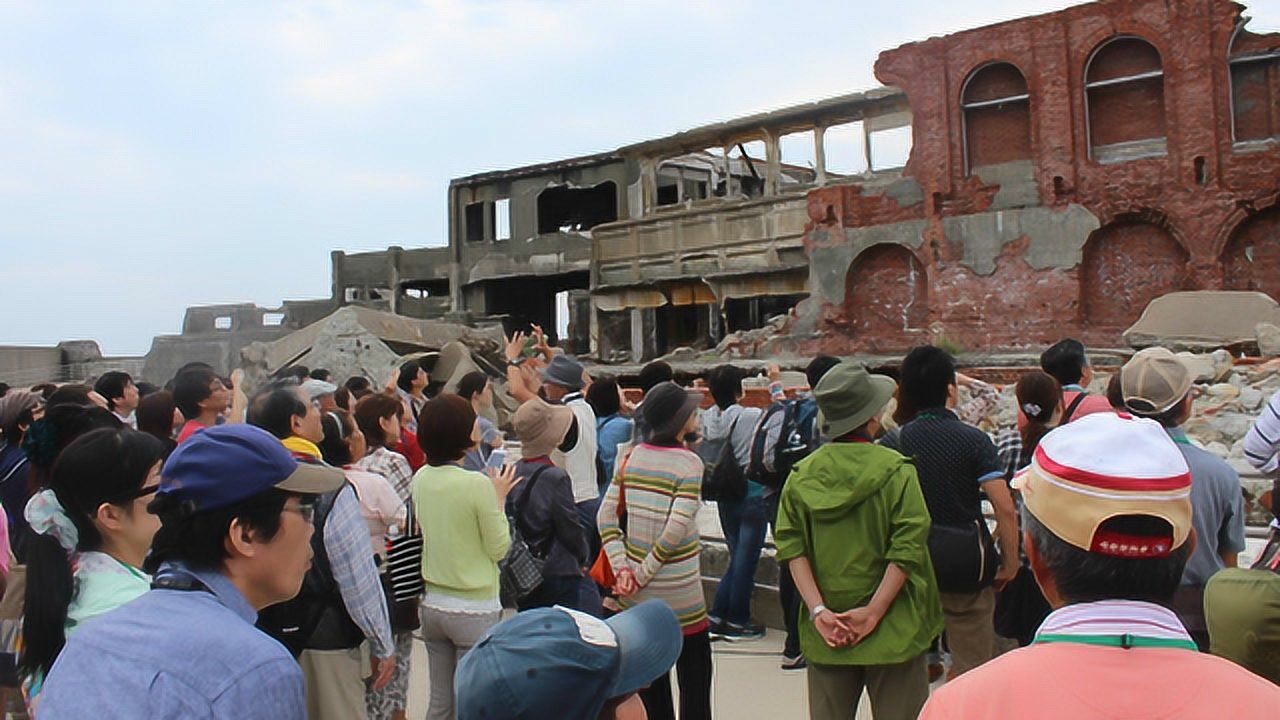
(997, 116)
(1255, 86)
(1124, 94)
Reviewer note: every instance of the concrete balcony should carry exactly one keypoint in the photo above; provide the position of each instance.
(709, 237)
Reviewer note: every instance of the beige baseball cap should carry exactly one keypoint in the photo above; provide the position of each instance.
(1154, 380)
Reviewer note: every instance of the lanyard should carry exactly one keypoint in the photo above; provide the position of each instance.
(1125, 641)
(1181, 439)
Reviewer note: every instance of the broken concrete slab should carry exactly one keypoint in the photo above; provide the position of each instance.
(361, 341)
(1203, 319)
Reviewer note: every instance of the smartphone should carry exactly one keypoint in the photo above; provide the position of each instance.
(496, 460)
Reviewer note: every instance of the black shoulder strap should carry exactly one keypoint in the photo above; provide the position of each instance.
(1071, 409)
(518, 506)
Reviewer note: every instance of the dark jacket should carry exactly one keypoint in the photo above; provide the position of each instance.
(549, 517)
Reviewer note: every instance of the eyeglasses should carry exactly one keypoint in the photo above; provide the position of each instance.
(307, 511)
(134, 494)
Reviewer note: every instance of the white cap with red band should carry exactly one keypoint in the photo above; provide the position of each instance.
(1103, 466)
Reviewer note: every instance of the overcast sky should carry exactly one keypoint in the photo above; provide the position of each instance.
(155, 155)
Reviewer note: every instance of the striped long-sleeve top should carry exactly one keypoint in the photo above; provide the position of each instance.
(661, 488)
(1262, 443)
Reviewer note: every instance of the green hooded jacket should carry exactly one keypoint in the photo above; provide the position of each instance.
(852, 508)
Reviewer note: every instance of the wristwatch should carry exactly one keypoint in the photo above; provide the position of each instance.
(517, 362)
(817, 610)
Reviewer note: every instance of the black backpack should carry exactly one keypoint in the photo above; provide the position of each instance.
(316, 618)
(722, 476)
(797, 438)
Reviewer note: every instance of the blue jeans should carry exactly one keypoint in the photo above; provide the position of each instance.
(743, 522)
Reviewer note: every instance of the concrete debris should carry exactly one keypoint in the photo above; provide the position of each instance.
(1221, 415)
(1268, 337)
(1203, 319)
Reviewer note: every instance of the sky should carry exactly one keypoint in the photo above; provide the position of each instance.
(156, 155)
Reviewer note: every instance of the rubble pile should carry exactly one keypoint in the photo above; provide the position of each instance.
(1229, 397)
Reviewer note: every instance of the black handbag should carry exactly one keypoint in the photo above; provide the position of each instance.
(964, 556)
(723, 478)
(520, 572)
(402, 577)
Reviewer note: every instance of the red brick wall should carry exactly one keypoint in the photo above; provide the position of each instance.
(1252, 258)
(1195, 197)
(1127, 265)
(885, 297)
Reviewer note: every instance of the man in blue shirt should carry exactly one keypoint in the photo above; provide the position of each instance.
(236, 512)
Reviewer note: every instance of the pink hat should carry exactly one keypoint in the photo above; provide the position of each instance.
(1102, 466)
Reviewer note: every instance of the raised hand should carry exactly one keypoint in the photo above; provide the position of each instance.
(503, 478)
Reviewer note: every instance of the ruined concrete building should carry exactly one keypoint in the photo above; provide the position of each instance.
(1063, 171)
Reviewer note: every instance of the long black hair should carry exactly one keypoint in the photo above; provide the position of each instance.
(103, 466)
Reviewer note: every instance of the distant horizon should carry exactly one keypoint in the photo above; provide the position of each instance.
(169, 156)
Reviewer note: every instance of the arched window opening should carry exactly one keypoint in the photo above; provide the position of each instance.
(997, 116)
(1124, 95)
(1254, 62)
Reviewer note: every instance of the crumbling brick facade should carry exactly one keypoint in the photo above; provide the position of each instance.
(1070, 168)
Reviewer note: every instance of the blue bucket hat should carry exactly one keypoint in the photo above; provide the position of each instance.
(561, 663)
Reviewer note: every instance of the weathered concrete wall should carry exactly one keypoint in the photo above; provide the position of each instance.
(1077, 239)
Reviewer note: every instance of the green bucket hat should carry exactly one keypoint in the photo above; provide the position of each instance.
(848, 396)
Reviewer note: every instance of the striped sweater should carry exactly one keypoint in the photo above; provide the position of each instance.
(662, 490)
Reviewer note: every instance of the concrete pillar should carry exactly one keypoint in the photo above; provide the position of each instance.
(866, 144)
(773, 163)
(820, 154)
(336, 288)
(728, 172)
(648, 183)
(637, 335)
(393, 276)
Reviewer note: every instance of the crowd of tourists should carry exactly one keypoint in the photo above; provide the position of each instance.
(199, 551)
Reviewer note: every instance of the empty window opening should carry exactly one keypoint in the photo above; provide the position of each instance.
(755, 312)
(502, 219)
(422, 289)
(473, 218)
(222, 322)
(1124, 92)
(572, 210)
(842, 145)
(273, 319)
(1255, 86)
(799, 158)
(997, 116)
(689, 177)
(747, 167)
(890, 149)
(1202, 176)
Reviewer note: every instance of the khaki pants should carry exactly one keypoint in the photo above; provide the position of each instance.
(971, 632)
(897, 692)
(335, 682)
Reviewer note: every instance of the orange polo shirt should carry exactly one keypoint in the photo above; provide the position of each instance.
(1077, 681)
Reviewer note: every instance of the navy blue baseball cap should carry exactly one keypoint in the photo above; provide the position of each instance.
(223, 465)
(561, 663)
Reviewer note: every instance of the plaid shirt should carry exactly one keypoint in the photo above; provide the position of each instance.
(346, 539)
(1009, 450)
(392, 466)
